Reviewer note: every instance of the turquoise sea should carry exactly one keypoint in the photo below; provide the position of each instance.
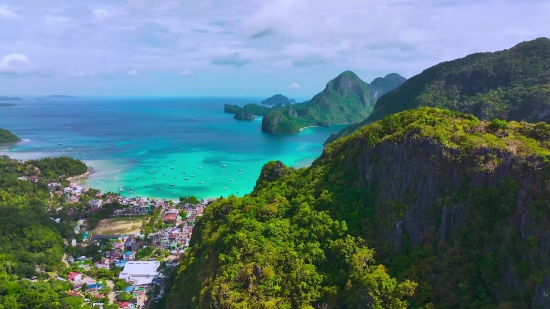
(148, 143)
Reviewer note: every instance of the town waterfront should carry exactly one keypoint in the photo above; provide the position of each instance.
(147, 144)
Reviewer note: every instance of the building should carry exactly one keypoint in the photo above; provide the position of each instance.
(94, 287)
(85, 236)
(128, 256)
(74, 277)
(95, 205)
(140, 272)
(170, 217)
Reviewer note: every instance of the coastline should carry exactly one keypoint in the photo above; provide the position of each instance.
(85, 175)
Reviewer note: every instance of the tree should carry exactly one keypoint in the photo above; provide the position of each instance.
(124, 296)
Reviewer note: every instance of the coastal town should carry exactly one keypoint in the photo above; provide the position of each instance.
(123, 248)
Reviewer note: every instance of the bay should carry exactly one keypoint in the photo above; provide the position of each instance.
(147, 144)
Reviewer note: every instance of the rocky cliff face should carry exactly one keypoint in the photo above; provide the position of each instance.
(382, 85)
(244, 116)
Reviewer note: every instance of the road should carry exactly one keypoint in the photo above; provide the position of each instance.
(112, 295)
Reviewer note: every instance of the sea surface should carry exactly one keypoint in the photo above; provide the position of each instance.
(152, 144)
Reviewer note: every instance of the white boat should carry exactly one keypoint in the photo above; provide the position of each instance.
(202, 182)
(137, 177)
(240, 169)
(171, 185)
(200, 166)
(225, 188)
(185, 178)
(192, 175)
(224, 165)
(231, 179)
(172, 168)
(121, 189)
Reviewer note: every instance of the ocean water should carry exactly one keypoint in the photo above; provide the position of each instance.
(147, 144)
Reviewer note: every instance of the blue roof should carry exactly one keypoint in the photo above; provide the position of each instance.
(128, 253)
(129, 289)
(93, 286)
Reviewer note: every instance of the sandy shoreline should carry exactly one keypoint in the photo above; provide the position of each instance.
(88, 173)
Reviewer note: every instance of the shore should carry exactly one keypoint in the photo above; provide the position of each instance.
(88, 173)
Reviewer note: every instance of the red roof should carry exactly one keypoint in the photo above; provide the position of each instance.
(170, 217)
(72, 275)
(199, 210)
(123, 304)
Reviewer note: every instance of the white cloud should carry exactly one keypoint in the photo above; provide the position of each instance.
(185, 73)
(294, 86)
(16, 64)
(6, 12)
(133, 72)
(82, 74)
(100, 13)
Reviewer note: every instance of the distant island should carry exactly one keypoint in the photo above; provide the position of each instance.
(7, 104)
(244, 116)
(3, 98)
(345, 100)
(6, 137)
(278, 100)
(57, 96)
(251, 108)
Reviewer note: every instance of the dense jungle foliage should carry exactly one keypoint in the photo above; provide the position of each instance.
(7, 137)
(512, 84)
(308, 238)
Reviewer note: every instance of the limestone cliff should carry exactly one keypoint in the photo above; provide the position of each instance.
(455, 204)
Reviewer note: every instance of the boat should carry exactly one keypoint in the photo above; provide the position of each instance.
(172, 168)
(208, 178)
(164, 174)
(131, 189)
(137, 177)
(145, 186)
(171, 185)
(225, 188)
(175, 177)
(185, 178)
(150, 172)
(224, 165)
(240, 169)
(121, 189)
(231, 179)
(159, 188)
(154, 181)
(183, 173)
(60, 143)
(200, 166)
(192, 175)
(202, 182)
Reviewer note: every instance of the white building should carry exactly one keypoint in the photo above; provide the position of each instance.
(140, 272)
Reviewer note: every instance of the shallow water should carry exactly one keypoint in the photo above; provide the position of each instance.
(125, 139)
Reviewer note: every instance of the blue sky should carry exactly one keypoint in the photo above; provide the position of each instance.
(243, 47)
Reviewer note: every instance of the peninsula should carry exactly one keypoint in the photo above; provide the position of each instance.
(345, 100)
(6, 137)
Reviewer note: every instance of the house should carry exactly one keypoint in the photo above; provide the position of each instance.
(33, 179)
(85, 236)
(95, 205)
(125, 305)
(70, 259)
(140, 272)
(135, 247)
(128, 256)
(94, 287)
(170, 217)
(200, 210)
(120, 263)
(74, 277)
(129, 241)
(73, 242)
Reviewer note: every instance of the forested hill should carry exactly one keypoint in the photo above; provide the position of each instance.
(7, 137)
(345, 99)
(31, 243)
(512, 84)
(456, 205)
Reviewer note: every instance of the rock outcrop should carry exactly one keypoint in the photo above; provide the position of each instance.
(244, 116)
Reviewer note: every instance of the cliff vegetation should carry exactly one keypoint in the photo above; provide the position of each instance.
(426, 208)
(7, 137)
(512, 84)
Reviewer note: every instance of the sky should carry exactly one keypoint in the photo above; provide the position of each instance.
(243, 47)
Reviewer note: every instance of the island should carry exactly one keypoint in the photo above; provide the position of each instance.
(6, 137)
(251, 108)
(57, 96)
(345, 100)
(244, 116)
(7, 104)
(278, 100)
(4, 98)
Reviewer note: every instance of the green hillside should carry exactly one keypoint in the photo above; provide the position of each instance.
(454, 204)
(346, 99)
(7, 137)
(512, 84)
